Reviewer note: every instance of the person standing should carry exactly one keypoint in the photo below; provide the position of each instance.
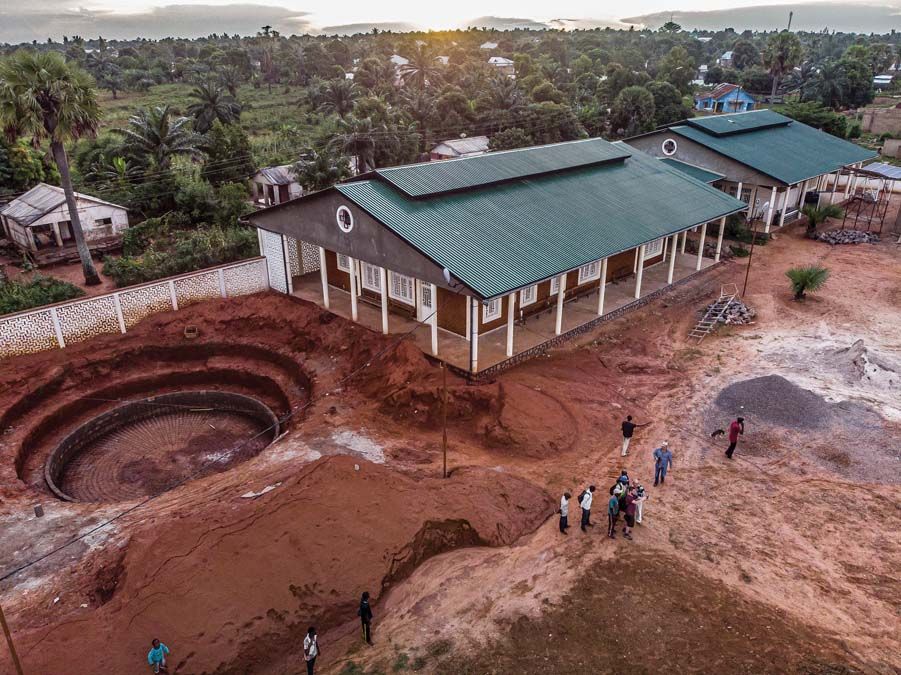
(629, 428)
(640, 496)
(310, 649)
(663, 461)
(629, 514)
(156, 657)
(736, 429)
(564, 512)
(365, 614)
(612, 515)
(585, 504)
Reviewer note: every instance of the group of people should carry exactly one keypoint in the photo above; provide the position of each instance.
(627, 497)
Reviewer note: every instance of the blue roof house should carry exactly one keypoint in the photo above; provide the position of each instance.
(725, 98)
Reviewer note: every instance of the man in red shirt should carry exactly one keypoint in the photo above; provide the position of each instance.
(736, 429)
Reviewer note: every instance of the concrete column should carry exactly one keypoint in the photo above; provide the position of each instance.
(701, 246)
(770, 211)
(784, 206)
(468, 313)
(352, 265)
(383, 287)
(635, 263)
(57, 235)
(719, 239)
(434, 320)
(835, 186)
(672, 259)
(738, 190)
(323, 274)
(684, 241)
(560, 293)
(511, 309)
(848, 186)
(640, 273)
(602, 291)
(474, 340)
(289, 279)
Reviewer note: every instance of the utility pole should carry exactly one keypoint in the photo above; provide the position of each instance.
(9, 641)
(790, 15)
(444, 417)
(750, 255)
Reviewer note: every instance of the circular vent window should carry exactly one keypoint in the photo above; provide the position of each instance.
(669, 147)
(345, 219)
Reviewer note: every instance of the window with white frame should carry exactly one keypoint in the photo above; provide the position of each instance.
(653, 248)
(372, 280)
(344, 263)
(555, 285)
(669, 147)
(590, 272)
(528, 295)
(491, 310)
(400, 288)
(345, 219)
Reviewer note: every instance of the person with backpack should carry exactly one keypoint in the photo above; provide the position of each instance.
(663, 461)
(612, 516)
(156, 657)
(585, 500)
(629, 428)
(736, 429)
(365, 614)
(310, 649)
(564, 512)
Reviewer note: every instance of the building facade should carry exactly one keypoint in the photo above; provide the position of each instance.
(725, 98)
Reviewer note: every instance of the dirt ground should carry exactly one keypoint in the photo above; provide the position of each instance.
(783, 560)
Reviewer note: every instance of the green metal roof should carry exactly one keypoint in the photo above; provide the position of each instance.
(695, 172)
(788, 151)
(430, 178)
(498, 238)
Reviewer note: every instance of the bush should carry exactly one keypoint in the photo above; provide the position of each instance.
(17, 295)
(805, 279)
(737, 229)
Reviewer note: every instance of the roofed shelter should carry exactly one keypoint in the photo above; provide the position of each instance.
(767, 160)
(476, 245)
(274, 185)
(37, 222)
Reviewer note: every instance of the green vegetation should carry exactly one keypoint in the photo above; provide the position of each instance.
(18, 295)
(807, 279)
(818, 215)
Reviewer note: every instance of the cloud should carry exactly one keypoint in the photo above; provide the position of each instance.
(354, 28)
(815, 16)
(21, 24)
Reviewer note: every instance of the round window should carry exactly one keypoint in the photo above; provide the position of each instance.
(345, 219)
(669, 147)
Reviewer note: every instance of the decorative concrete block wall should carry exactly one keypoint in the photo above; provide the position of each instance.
(69, 322)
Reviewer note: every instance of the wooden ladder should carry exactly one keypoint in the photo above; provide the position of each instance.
(715, 312)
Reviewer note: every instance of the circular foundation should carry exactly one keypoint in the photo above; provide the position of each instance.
(146, 447)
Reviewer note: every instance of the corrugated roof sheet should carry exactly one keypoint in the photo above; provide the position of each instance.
(277, 175)
(719, 90)
(40, 200)
(695, 172)
(431, 178)
(499, 238)
(889, 171)
(788, 151)
(467, 145)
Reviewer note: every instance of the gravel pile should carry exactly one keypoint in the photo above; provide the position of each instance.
(848, 237)
(775, 400)
(738, 314)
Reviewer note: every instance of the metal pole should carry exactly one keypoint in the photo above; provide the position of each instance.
(444, 417)
(9, 641)
(750, 254)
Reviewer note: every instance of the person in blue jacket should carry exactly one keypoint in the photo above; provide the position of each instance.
(156, 657)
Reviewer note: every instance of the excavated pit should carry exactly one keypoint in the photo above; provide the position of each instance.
(149, 446)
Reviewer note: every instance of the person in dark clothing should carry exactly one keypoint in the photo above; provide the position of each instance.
(365, 614)
(564, 512)
(612, 515)
(310, 649)
(585, 504)
(629, 428)
(629, 514)
(736, 429)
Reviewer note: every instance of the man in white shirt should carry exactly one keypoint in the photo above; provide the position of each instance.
(587, 497)
(564, 512)
(310, 649)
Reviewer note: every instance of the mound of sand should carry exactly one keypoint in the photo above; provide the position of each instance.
(775, 400)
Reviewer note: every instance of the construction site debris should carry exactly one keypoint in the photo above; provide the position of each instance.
(775, 400)
(736, 314)
(834, 237)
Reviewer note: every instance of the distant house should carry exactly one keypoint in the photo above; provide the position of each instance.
(503, 65)
(882, 81)
(460, 147)
(725, 98)
(397, 60)
(38, 222)
(274, 185)
(443, 60)
(725, 60)
(488, 45)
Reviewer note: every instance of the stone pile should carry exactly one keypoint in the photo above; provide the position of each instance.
(738, 314)
(848, 237)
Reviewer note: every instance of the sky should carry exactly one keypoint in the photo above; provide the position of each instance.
(39, 19)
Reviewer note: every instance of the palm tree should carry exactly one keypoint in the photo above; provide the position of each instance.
(212, 104)
(805, 279)
(155, 137)
(422, 109)
(338, 97)
(803, 80)
(43, 96)
(830, 84)
(818, 215)
(422, 68)
(782, 54)
(231, 78)
(356, 138)
(320, 171)
(501, 95)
